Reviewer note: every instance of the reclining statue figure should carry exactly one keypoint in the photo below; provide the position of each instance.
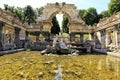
(58, 47)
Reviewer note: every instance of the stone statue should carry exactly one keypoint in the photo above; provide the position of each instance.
(58, 47)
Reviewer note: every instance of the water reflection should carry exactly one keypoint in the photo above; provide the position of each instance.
(113, 64)
(99, 64)
(107, 67)
(82, 67)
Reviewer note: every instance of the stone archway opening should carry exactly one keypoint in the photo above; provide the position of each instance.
(62, 19)
(75, 23)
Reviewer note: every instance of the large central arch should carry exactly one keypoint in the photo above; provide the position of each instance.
(76, 24)
(60, 12)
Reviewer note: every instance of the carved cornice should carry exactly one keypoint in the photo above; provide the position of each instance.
(108, 22)
(8, 18)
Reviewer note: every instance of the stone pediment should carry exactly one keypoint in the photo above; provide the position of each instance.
(51, 10)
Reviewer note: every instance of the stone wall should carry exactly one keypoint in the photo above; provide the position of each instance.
(76, 25)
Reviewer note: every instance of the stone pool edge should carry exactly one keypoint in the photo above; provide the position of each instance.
(10, 51)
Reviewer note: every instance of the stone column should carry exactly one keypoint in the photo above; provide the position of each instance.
(92, 36)
(72, 37)
(108, 38)
(1, 30)
(97, 39)
(37, 36)
(26, 35)
(81, 37)
(115, 38)
(17, 37)
(118, 35)
(103, 38)
(1, 36)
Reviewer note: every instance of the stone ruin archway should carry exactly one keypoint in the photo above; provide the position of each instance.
(76, 25)
(59, 12)
(75, 21)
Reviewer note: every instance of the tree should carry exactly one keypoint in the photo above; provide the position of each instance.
(114, 6)
(104, 14)
(90, 16)
(81, 12)
(55, 28)
(38, 11)
(65, 21)
(10, 8)
(19, 13)
(29, 15)
(6, 7)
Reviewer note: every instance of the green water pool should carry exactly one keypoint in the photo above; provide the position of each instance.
(31, 65)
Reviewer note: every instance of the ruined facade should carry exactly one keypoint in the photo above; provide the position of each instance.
(106, 33)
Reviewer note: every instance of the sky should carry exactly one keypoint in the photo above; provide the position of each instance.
(100, 5)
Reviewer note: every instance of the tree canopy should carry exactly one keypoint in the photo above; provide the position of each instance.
(55, 28)
(29, 14)
(65, 21)
(104, 14)
(114, 6)
(90, 16)
(38, 11)
(81, 13)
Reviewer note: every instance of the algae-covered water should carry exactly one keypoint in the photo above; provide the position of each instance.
(34, 66)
